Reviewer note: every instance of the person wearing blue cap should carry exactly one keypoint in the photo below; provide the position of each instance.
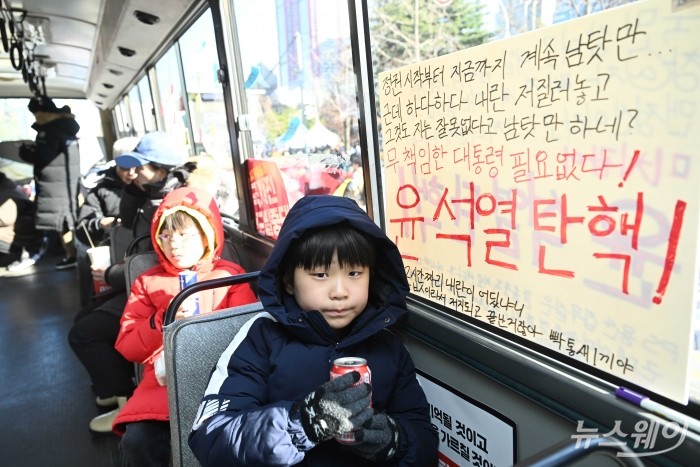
(156, 147)
(154, 157)
(159, 165)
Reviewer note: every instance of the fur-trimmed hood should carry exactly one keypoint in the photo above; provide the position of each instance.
(201, 206)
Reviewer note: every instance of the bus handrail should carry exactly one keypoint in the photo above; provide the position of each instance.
(568, 450)
(131, 249)
(204, 285)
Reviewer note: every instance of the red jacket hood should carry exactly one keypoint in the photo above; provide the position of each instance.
(201, 204)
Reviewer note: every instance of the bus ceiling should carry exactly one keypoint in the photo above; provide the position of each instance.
(82, 48)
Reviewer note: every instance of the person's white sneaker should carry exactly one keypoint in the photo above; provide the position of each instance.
(21, 264)
(103, 423)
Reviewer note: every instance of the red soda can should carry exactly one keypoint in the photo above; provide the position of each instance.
(188, 278)
(345, 365)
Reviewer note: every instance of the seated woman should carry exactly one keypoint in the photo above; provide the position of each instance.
(99, 213)
(21, 244)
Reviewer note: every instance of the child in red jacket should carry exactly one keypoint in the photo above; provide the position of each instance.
(187, 234)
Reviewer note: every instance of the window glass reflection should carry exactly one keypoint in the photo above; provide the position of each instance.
(119, 118)
(205, 99)
(301, 97)
(139, 128)
(171, 110)
(147, 108)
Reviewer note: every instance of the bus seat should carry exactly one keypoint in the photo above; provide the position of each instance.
(135, 265)
(135, 246)
(230, 252)
(119, 239)
(205, 337)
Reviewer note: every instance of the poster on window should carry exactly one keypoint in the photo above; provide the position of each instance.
(546, 185)
(270, 203)
(469, 432)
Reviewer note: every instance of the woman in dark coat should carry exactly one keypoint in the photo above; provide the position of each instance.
(56, 162)
(100, 210)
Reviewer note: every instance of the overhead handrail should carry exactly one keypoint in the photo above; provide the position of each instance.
(205, 285)
(568, 450)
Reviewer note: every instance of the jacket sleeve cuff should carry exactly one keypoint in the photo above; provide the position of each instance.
(114, 276)
(296, 430)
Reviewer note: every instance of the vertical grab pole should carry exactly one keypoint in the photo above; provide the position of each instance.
(369, 138)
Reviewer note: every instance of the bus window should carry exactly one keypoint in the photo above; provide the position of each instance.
(134, 102)
(427, 139)
(147, 104)
(16, 120)
(205, 99)
(90, 135)
(122, 124)
(300, 97)
(17, 125)
(126, 106)
(172, 110)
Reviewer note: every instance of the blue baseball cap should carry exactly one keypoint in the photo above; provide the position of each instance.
(156, 147)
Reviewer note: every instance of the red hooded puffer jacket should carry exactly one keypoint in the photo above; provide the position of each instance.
(141, 337)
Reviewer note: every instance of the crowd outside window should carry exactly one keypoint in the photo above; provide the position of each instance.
(187, 234)
(333, 287)
(56, 161)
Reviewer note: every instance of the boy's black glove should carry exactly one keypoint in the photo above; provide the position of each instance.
(377, 439)
(335, 407)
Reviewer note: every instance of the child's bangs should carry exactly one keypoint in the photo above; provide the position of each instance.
(316, 248)
(178, 221)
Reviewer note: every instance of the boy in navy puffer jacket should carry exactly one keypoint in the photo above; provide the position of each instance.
(333, 285)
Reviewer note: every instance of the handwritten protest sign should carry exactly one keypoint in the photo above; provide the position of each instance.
(548, 185)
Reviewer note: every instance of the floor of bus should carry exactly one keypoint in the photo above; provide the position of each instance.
(45, 398)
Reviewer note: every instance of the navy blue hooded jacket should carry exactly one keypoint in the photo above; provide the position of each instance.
(285, 353)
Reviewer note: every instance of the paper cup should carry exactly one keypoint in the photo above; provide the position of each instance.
(99, 256)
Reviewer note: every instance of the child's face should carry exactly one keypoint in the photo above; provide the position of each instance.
(146, 174)
(126, 175)
(339, 293)
(183, 248)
